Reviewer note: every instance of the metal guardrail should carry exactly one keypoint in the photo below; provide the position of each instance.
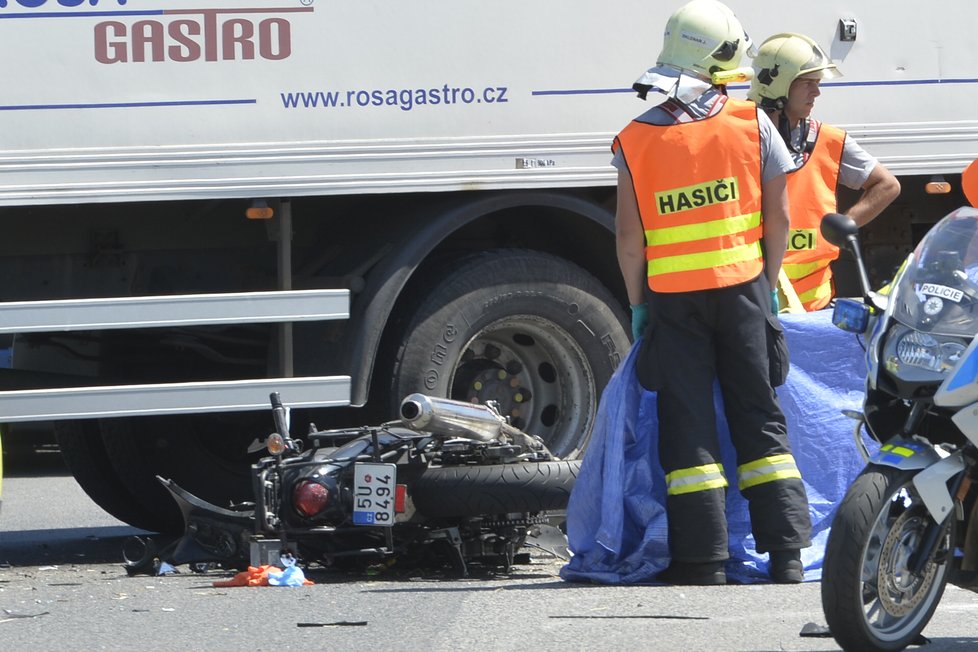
(175, 310)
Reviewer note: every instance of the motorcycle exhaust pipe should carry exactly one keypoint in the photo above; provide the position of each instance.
(446, 418)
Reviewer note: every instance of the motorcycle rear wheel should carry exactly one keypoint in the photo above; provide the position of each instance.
(871, 599)
(497, 489)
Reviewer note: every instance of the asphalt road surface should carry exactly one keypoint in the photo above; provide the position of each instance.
(63, 587)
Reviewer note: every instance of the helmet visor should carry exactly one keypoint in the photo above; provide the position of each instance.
(751, 48)
(819, 66)
(828, 72)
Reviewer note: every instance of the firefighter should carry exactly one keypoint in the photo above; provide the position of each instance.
(788, 69)
(701, 227)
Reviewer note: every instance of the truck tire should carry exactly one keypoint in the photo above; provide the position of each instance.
(206, 454)
(534, 332)
(85, 456)
(458, 491)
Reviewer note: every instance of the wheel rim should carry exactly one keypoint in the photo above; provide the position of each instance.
(896, 600)
(536, 372)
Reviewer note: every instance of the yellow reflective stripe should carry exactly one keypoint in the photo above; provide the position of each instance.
(766, 461)
(754, 480)
(817, 292)
(702, 230)
(696, 478)
(899, 450)
(767, 469)
(801, 270)
(706, 260)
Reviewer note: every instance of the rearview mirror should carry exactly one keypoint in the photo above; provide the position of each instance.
(838, 228)
(842, 231)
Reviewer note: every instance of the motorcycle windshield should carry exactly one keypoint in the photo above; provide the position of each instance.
(938, 291)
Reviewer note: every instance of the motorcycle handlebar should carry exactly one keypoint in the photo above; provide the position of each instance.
(279, 415)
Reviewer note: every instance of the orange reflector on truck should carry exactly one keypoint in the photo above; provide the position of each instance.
(937, 186)
(259, 210)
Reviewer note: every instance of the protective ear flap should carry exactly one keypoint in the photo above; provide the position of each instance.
(726, 51)
(767, 75)
(969, 183)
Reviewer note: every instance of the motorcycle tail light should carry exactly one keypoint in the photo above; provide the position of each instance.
(310, 498)
(400, 496)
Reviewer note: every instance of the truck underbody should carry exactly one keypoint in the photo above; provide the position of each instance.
(514, 321)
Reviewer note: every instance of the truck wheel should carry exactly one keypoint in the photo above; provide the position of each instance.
(84, 455)
(206, 454)
(454, 491)
(531, 331)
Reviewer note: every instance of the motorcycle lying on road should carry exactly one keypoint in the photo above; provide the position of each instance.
(908, 524)
(448, 485)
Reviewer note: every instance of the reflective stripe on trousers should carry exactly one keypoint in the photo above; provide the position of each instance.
(767, 469)
(696, 478)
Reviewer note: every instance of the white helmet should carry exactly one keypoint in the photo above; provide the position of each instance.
(780, 60)
(702, 37)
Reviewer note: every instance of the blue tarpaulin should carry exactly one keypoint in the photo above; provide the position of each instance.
(616, 520)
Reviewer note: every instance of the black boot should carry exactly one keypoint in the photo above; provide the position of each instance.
(786, 567)
(684, 573)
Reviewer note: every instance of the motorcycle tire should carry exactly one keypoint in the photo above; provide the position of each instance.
(460, 491)
(871, 600)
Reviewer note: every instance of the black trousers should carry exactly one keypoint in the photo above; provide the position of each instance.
(696, 338)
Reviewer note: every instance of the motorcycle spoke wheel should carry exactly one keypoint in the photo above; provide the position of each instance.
(871, 597)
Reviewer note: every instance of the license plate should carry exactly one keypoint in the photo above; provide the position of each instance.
(374, 487)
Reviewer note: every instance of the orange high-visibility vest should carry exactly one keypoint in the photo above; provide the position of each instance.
(812, 194)
(698, 188)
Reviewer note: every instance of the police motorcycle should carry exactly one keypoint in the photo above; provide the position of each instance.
(448, 485)
(908, 524)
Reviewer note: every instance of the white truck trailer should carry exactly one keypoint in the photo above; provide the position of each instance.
(438, 175)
